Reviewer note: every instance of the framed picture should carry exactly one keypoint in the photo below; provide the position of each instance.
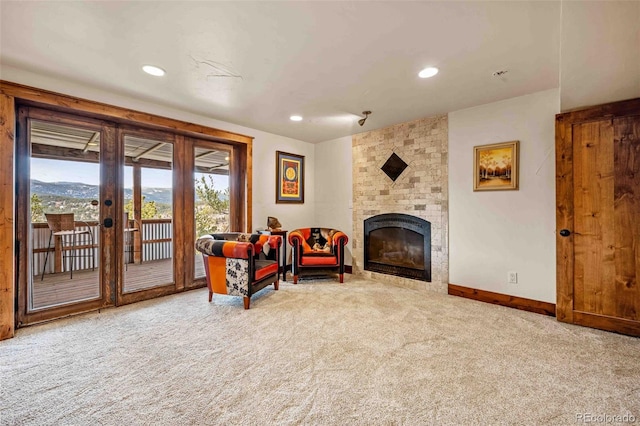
(289, 178)
(495, 167)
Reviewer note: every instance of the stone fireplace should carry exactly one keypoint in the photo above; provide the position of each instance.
(398, 244)
(415, 185)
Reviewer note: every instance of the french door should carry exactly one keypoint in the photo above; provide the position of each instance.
(65, 205)
(81, 220)
(95, 214)
(150, 249)
(211, 187)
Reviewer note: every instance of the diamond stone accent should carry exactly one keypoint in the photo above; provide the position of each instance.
(394, 166)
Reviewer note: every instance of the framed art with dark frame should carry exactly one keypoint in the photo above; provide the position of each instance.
(495, 167)
(289, 178)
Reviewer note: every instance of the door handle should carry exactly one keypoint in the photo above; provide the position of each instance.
(565, 232)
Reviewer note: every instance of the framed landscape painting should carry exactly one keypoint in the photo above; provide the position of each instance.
(289, 178)
(495, 167)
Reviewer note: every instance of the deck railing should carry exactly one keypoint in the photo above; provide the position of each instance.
(157, 244)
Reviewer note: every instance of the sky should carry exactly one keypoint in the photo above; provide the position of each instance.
(89, 173)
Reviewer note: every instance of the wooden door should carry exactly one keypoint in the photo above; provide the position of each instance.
(151, 243)
(210, 176)
(598, 217)
(75, 156)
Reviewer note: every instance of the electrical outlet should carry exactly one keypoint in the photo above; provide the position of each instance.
(512, 277)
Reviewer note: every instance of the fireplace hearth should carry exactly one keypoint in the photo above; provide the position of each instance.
(398, 244)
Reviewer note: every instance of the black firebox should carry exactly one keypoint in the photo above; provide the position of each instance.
(398, 244)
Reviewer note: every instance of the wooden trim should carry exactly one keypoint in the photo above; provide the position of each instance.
(603, 322)
(68, 119)
(249, 184)
(189, 206)
(180, 167)
(49, 313)
(516, 302)
(63, 102)
(238, 186)
(7, 249)
(110, 189)
(21, 231)
(137, 212)
(564, 220)
(600, 112)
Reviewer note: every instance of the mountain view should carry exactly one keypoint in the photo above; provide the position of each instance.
(76, 197)
(211, 205)
(92, 192)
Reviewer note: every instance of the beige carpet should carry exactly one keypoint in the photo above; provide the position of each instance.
(318, 353)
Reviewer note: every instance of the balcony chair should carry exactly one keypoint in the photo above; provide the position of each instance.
(63, 226)
(317, 248)
(233, 264)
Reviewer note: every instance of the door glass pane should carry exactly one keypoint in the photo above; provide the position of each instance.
(148, 214)
(211, 195)
(64, 189)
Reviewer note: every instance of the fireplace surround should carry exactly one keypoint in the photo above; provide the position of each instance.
(398, 244)
(421, 191)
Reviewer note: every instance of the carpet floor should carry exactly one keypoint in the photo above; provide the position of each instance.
(317, 353)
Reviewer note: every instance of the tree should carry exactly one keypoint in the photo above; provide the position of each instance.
(37, 211)
(485, 162)
(507, 165)
(216, 199)
(149, 209)
(212, 207)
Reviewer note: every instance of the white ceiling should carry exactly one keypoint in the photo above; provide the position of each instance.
(256, 63)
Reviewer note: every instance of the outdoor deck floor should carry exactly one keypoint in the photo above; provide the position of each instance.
(58, 288)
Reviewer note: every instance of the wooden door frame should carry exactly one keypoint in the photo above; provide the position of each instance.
(10, 95)
(177, 282)
(565, 310)
(236, 191)
(24, 315)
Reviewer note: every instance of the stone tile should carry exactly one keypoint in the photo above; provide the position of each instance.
(421, 190)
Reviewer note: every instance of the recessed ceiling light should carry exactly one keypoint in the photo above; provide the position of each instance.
(153, 70)
(295, 118)
(428, 72)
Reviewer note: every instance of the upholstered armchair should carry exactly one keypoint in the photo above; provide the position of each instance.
(232, 263)
(317, 248)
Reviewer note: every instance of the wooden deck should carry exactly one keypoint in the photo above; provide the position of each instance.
(57, 289)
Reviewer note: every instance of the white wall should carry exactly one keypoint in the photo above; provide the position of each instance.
(494, 232)
(334, 188)
(264, 146)
(600, 52)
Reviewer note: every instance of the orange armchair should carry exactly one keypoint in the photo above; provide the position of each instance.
(317, 248)
(233, 267)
